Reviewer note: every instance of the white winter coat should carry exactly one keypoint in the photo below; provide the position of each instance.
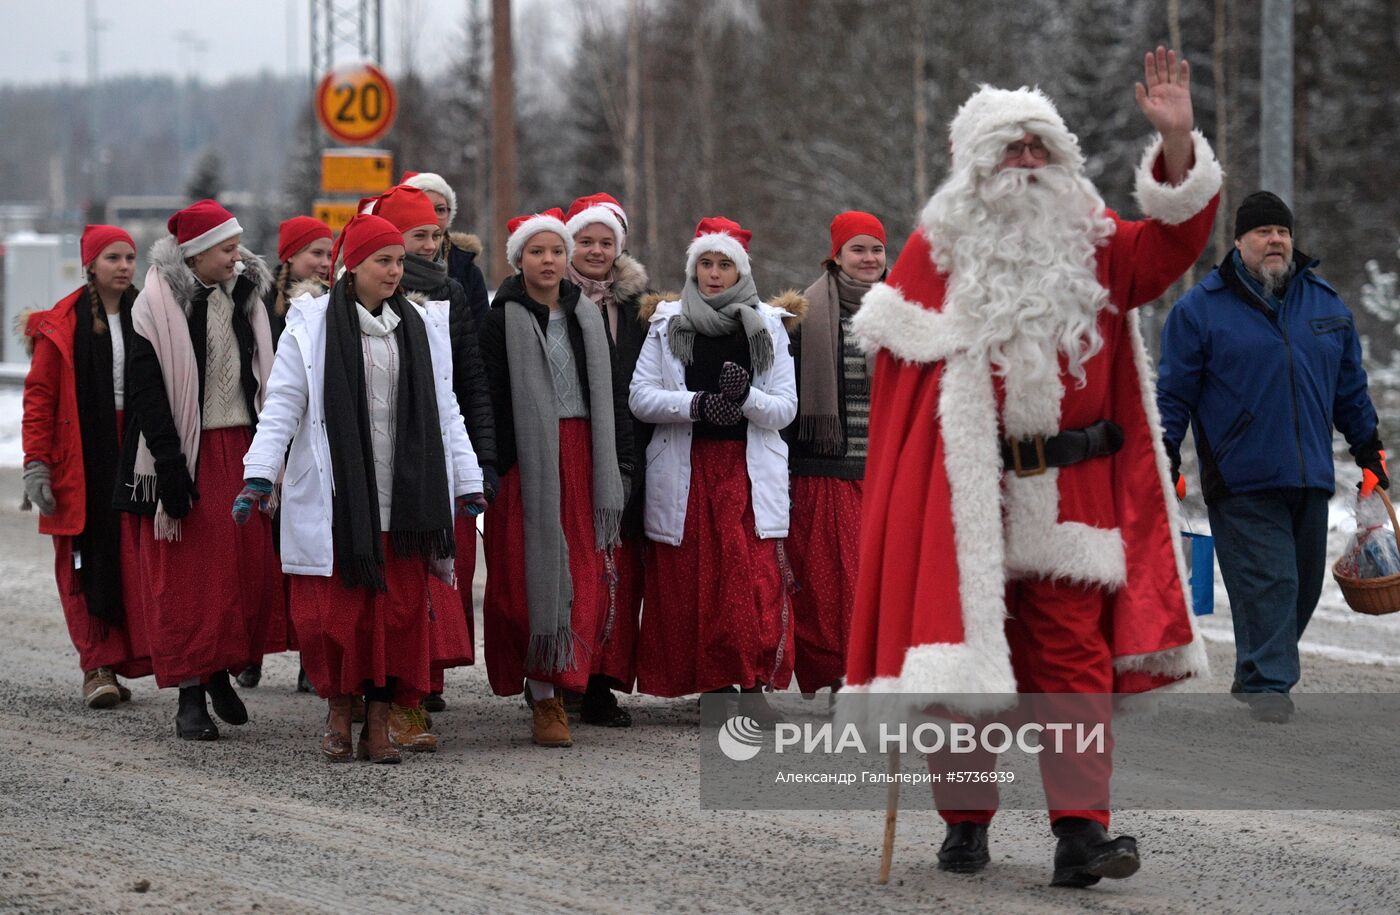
(658, 395)
(294, 411)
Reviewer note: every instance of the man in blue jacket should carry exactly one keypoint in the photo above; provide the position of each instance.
(1263, 360)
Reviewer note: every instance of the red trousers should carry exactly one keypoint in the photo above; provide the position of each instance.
(823, 545)
(1058, 645)
(124, 648)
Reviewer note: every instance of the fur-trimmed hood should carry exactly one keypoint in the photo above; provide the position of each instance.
(631, 279)
(465, 241)
(165, 257)
(312, 286)
(790, 301)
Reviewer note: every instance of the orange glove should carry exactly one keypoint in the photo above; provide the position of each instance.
(1370, 479)
(1180, 488)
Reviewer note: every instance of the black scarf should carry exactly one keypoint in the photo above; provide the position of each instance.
(422, 516)
(423, 275)
(100, 575)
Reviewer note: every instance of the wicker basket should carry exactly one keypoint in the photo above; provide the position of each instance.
(1375, 596)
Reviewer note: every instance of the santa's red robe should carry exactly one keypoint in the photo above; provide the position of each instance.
(944, 530)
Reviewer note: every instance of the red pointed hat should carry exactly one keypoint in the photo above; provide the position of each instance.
(602, 209)
(407, 207)
(96, 238)
(298, 232)
(363, 235)
(846, 226)
(522, 228)
(723, 236)
(200, 226)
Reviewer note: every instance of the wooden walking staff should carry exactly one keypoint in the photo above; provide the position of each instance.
(891, 811)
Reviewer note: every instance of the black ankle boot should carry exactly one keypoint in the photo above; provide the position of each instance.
(250, 676)
(965, 849)
(600, 706)
(225, 699)
(303, 682)
(1086, 853)
(754, 704)
(192, 721)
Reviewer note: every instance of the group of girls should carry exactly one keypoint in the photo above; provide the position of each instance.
(362, 404)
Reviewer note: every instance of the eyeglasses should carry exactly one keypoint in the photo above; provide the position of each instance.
(1036, 148)
(441, 210)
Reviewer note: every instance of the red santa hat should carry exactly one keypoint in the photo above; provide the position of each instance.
(406, 207)
(723, 236)
(362, 236)
(296, 233)
(600, 209)
(96, 239)
(200, 226)
(846, 226)
(432, 181)
(993, 117)
(522, 228)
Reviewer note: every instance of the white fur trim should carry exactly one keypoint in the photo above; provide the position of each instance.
(720, 243)
(990, 111)
(534, 226)
(432, 181)
(887, 320)
(1174, 204)
(1188, 660)
(211, 237)
(603, 215)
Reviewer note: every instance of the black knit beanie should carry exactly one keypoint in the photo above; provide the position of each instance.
(1262, 209)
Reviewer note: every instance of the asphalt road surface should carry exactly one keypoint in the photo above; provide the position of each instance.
(108, 812)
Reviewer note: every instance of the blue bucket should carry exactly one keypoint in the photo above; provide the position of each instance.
(1200, 559)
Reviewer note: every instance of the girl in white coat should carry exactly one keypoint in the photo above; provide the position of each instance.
(362, 391)
(715, 376)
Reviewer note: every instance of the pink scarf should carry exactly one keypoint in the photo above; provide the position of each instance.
(601, 292)
(161, 319)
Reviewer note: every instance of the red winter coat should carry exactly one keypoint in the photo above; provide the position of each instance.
(50, 429)
(943, 529)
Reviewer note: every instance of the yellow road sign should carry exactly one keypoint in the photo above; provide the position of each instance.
(356, 171)
(334, 213)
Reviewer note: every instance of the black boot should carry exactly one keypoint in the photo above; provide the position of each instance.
(227, 705)
(433, 702)
(1086, 853)
(303, 684)
(754, 704)
(965, 849)
(250, 676)
(192, 721)
(600, 706)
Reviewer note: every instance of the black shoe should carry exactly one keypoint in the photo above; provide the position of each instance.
(225, 699)
(1085, 854)
(965, 849)
(718, 710)
(192, 721)
(753, 704)
(303, 683)
(1237, 692)
(250, 676)
(1271, 708)
(600, 708)
(433, 702)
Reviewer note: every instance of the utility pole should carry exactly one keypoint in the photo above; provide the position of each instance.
(97, 152)
(502, 137)
(1276, 98)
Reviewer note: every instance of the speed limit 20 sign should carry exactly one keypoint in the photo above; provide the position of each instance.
(356, 103)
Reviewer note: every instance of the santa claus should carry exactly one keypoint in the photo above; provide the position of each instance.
(1018, 527)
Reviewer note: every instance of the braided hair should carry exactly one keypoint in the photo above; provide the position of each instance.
(282, 284)
(99, 325)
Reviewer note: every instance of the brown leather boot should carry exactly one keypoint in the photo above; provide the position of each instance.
(551, 724)
(408, 730)
(357, 709)
(375, 745)
(100, 688)
(336, 744)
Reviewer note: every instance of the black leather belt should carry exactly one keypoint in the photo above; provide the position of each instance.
(1029, 457)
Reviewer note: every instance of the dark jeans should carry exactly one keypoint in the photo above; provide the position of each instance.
(1272, 548)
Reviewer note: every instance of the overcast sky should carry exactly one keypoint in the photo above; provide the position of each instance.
(46, 39)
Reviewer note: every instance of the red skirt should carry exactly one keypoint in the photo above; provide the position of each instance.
(450, 623)
(717, 611)
(823, 545)
(352, 635)
(617, 660)
(126, 649)
(505, 608)
(210, 594)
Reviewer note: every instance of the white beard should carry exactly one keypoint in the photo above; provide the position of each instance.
(1018, 246)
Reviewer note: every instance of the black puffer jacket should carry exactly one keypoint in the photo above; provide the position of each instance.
(468, 372)
(493, 353)
(630, 288)
(462, 252)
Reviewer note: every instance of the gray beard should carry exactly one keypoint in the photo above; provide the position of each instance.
(1274, 281)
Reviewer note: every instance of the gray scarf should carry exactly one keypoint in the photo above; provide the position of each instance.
(719, 316)
(548, 588)
(823, 365)
(423, 275)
